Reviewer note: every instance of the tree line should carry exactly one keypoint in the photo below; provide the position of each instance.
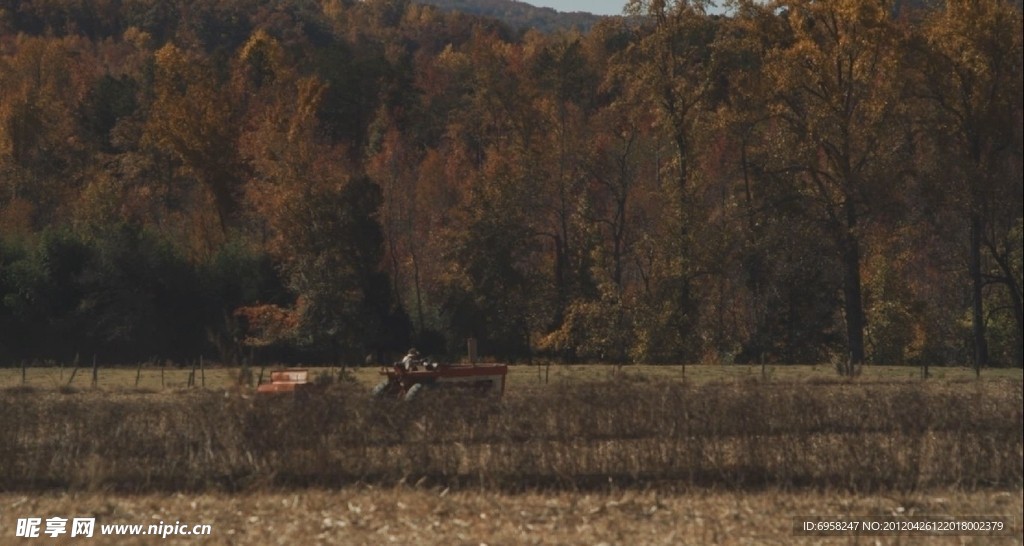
(799, 181)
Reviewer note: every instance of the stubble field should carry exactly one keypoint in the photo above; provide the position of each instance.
(589, 456)
(407, 515)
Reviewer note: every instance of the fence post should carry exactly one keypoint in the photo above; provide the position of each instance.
(202, 371)
(73, 370)
(95, 372)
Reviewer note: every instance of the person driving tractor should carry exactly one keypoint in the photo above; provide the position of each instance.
(411, 360)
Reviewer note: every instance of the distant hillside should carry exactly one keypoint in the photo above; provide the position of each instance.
(520, 15)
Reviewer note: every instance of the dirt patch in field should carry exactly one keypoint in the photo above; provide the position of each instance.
(362, 515)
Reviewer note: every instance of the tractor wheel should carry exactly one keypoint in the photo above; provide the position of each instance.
(412, 392)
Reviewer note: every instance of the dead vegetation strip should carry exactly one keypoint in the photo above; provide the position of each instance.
(409, 515)
(744, 436)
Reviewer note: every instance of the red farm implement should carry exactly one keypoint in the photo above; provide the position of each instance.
(406, 382)
(286, 381)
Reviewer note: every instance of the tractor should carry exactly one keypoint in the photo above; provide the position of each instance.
(405, 380)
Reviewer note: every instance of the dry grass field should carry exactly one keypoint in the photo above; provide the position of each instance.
(590, 455)
(365, 515)
(521, 377)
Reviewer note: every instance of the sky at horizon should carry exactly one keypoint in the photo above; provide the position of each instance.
(597, 7)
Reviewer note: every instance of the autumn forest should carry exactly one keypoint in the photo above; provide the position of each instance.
(321, 180)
